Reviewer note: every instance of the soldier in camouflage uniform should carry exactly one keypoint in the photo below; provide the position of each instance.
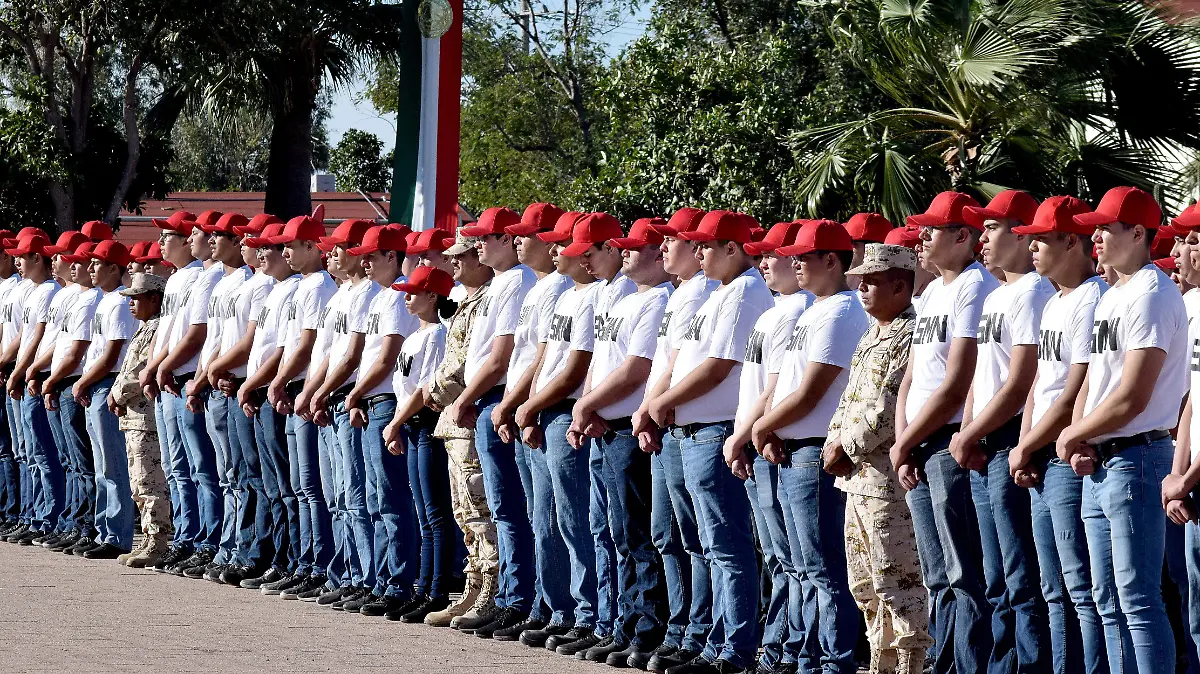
(135, 416)
(881, 549)
(467, 496)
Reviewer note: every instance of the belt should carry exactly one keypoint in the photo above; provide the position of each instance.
(939, 439)
(339, 395)
(237, 383)
(425, 419)
(790, 446)
(378, 398)
(181, 380)
(561, 407)
(41, 376)
(692, 429)
(66, 383)
(294, 388)
(497, 390)
(621, 424)
(1113, 446)
(1005, 437)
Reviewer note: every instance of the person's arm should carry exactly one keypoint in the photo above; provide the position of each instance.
(337, 376)
(1139, 374)
(1056, 418)
(707, 376)
(42, 362)
(818, 377)
(947, 399)
(557, 389)
(24, 360)
(516, 394)
(617, 386)
(237, 355)
(290, 368)
(190, 345)
(383, 367)
(102, 367)
(10, 352)
(491, 372)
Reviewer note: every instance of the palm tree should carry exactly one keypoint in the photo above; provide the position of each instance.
(1052, 96)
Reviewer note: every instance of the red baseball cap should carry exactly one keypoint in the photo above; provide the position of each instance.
(593, 229)
(1057, 214)
(410, 240)
(208, 218)
(781, 234)
(1186, 221)
(67, 241)
(30, 244)
(180, 221)
(264, 237)
(539, 217)
(257, 224)
(153, 254)
(139, 249)
(113, 252)
(945, 209)
(871, 227)
(431, 239)
(389, 237)
(97, 230)
(720, 226)
(908, 237)
(1167, 264)
(84, 251)
(757, 234)
(492, 221)
(227, 224)
(643, 233)
(1129, 205)
(1009, 204)
(562, 228)
(349, 232)
(818, 235)
(684, 220)
(1164, 241)
(299, 228)
(427, 278)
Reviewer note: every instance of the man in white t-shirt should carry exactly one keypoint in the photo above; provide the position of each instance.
(1131, 399)
(625, 343)
(11, 314)
(10, 478)
(700, 406)
(1005, 367)
(113, 325)
(792, 431)
(486, 373)
(1062, 253)
(929, 412)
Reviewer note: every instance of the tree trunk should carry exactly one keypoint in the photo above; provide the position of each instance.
(290, 167)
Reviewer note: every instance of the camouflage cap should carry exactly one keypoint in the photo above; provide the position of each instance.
(145, 283)
(461, 245)
(883, 256)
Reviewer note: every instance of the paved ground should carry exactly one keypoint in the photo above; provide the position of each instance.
(61, 613)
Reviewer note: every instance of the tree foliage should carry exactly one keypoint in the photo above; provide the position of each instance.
(358, 163)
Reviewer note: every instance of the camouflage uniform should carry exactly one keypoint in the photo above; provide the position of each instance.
(881, 550)
(136, 418)
(471, 510)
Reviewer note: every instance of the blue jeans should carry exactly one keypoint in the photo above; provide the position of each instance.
(10, 478)
(81, 477)
(1176, 575)
(606, 552)
(202, 460)
(819, 513)
(254, 538)
(933, 571)
(270, 433)
(540, 610)
(216, 420)
(506, 498)
(723, 513)
(65, 522)
(429, 483)
(1077, 628)
(570, 479)
(641, 596)
(46, 472)
(185, 511)
(331, 459)
(677, 537)
(21, 454)
(790, 634)
(1020, 618)
(354, 494)
(114, 501)
(316, 544)
(390, 501)
(550, 551)
(1126, 533)
(1191, 550)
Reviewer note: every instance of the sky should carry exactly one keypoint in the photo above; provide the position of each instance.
(351, 111)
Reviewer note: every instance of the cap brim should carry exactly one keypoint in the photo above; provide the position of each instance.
(695, 235)
(794, 251)
(248, 231)
(926, 220)
(576, 249)
(666, 230)
(131, 292)
(757, 248)
(552, 237)
(522, 230)
(407, 288)
(143, 260)
(977, 215)
(1034, 229)
(1093, 219)
(1185, 223)
(869, 268)
(478, 231)
(55, 250)
(458, 249)
(15, 252)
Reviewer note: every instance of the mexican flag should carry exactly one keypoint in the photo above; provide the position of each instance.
(425, 174)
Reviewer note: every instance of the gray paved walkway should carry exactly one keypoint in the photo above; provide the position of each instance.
(65, 614)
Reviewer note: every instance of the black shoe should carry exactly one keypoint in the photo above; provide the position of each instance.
(699, 665)
(283, 583)
(599, 652)
(661, 663)
(315, 593)
(415, 601)
(336, 594)
(641, 659)
(514, 633)
(213, 573)
(356, 594)
(66, 541)
(383, 606)
(417, 613)
(29, 537)
(621, 658)
(311, 583)
(234, 574)
(199, 571)
(8, 526)
(106, 551)
(507, 617)
(13, 535)
(82, 547)
(537, 638)
(571, 636)
(355, 605)
(176, 553)
(785, 668)
(53, 536)
(272, 575)
(201, 558)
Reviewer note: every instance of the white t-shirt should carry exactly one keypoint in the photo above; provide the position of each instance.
(349, 318)
(948, 311)
(308, 302)
(765, 350)
(14, 299)
(193, 310)
(112, 321)
(1065, 339)
(498, 314)
(681, 307)
(36, 309)
(59, 306)
(609, 294)
(1012, 316)
(245, 305)
(175, 297)
(270, 322)
(336, 304)
(221, 309)
(536, 310)
(1191, 303)
(571, 328)
(827, 332)
(1146, 312)
(76, 327)
(720, 329)
(420, 356)
(387, 315)
(630, 330)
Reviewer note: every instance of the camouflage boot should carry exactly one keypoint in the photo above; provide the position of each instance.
(154, 550)
(444, 617)
(483, 611)
(123, 560)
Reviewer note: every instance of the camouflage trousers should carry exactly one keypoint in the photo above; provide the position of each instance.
(471, 510)
(885, 579)
(148, 482)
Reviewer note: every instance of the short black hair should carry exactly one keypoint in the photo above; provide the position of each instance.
(846, 257)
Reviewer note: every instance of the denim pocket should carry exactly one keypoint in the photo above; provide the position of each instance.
(711, 434)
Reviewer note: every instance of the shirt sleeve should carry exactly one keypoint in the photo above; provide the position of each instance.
(1079, 332)
(643, 335)
(1149, 326)
(507, 305)
(832, 342)
(968, 307)
(583, 333)
(258, 303)
(80, 324)
(1025, 319)
(432, 355)
(732, 323)
(309, 310)
(120, 324)
(40, 312)
(776, 344)
(197, 309)
(359, 312)
(389, 314)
